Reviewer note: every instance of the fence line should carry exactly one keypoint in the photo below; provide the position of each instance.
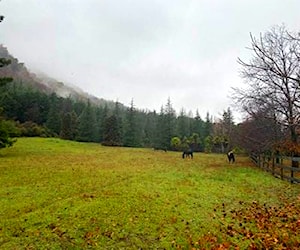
(278, 166)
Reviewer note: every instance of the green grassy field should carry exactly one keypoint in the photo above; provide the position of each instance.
(57, 194)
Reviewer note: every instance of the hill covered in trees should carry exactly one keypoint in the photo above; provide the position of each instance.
(43, 83)
(41, 106)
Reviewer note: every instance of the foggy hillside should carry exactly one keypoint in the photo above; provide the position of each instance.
(43, 82)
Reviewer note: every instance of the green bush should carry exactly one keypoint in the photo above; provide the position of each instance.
(8, 131)
(31, 129)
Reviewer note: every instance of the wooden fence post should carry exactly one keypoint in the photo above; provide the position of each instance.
(273, 165)
(277, 157)
(292, 170)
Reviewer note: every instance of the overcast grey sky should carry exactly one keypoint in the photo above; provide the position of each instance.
(145, 50)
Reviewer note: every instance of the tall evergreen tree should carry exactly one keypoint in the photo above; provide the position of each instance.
(101, 121)
(68, 126)
(112, 130)
(228, 127)
(112, 133)
(119, 116)
(54, 115)
(183, 126)
(150, 130)
(9, 102)
(166, 126)
(130, 130)
(207, 128)
(198, 127)
(159, 131)
(207, 133)
(87, 125)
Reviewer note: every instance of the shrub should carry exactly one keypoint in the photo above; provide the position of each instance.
(31, 129)
(8, 131)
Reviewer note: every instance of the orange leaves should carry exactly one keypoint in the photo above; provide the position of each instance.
(91, 237)
(259, 226)
(288, 147)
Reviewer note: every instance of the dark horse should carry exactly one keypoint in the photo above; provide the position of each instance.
(230, 156)
(187, 154)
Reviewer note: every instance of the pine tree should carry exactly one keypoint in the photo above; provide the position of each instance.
(111, 135)
(169, 124)
(130, 133)
(149, 131)
(68, 125)
(87, 125)
(182, 124)
(207, 128)
(112, 129)
(103, 115)
(227, 128)
(165, 126)
(54, 115)
(198, 128)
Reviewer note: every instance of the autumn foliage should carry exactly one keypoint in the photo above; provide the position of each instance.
(256, 226)
(288, 147)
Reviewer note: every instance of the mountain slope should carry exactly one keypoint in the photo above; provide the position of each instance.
(44, 83)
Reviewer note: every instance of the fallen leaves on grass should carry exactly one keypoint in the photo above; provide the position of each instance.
(259, 225)
(91, 237)
(88, 197)
(60, 233)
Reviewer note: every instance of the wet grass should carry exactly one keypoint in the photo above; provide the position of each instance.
(57, 194)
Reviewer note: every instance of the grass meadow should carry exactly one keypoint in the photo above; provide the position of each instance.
(57, 194)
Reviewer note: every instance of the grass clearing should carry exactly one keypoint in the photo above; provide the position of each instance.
(57, 194)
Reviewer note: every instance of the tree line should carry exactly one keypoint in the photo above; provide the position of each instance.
(35, 113)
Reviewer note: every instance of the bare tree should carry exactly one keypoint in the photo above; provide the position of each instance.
(258, 133)
(273, 79)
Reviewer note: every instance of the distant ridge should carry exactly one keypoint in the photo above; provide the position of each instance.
(44, 83)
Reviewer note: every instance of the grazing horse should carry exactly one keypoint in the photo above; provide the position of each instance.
(230, 156)
(187, 154)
